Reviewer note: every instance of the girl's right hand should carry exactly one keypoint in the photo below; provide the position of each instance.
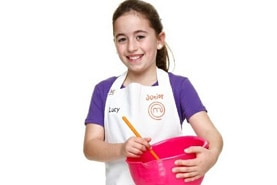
(135, 146)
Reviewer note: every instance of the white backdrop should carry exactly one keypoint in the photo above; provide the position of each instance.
(53, 52)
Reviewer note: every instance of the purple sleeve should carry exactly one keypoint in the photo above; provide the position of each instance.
(98, 101)
(186, 97)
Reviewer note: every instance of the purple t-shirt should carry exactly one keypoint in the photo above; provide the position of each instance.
(186, 99)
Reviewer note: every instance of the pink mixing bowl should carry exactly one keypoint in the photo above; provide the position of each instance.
(146, 170)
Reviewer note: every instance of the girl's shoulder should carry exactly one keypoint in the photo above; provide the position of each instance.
(106, 82)
(104, 86)
(177, 80)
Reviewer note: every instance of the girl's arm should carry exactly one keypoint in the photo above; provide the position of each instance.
(204, 127)
(206, 158)
(95, 148)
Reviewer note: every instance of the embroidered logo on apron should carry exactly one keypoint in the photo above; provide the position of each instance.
(156, 110)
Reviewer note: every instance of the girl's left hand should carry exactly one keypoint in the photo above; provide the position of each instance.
(193, 169)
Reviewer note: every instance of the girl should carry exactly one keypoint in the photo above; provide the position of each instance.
(156, 101)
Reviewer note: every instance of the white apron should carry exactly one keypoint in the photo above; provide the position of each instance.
(151, 110)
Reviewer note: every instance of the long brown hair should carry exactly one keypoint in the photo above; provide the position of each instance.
(150, 13)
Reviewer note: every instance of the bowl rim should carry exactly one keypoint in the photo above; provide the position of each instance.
(205, 142)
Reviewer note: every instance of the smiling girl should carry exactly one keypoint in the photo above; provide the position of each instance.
(140, 43)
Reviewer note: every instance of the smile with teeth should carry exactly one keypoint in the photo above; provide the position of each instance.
(133, 58)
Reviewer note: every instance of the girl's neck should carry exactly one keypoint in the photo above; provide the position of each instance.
(147, 78)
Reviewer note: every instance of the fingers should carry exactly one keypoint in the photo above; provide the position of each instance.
(194, 149)
(187, 162)
(186, 173)
(191, 177)
(187, 169)
(145, 142)
(135, 146)
(148, 140)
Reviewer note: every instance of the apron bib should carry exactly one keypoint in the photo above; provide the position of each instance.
(151, 110)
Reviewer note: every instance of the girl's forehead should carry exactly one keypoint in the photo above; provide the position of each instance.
(132, 15)
(131, 20)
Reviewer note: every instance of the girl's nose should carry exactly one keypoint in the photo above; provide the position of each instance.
(132, 46)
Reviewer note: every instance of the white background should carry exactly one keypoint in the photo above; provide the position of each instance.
(53, 52)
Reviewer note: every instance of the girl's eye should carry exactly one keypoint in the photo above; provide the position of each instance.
(140, 37)
(122, 39)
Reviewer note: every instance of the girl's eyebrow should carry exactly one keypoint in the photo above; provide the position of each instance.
(140, 31)
(118, 35)
(136, 32)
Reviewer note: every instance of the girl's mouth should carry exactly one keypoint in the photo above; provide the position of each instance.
(134, 58)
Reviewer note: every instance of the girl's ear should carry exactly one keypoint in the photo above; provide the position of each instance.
(161, 40)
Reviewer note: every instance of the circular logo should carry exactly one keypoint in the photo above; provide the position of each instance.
(156, 110)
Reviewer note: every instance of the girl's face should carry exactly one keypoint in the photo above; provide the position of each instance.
(136, 42)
